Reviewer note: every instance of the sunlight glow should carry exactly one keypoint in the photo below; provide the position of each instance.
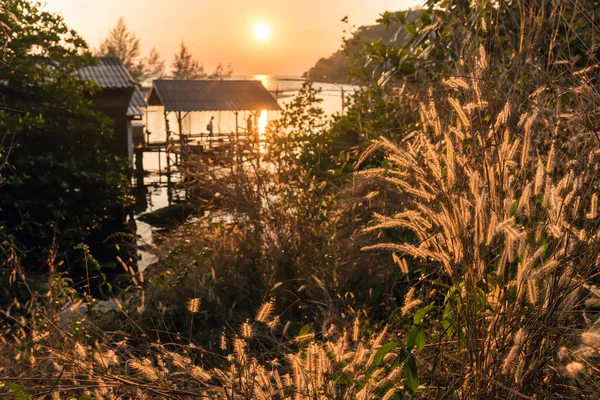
(262, 31)
(262, 122)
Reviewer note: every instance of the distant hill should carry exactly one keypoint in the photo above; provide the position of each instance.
(344, 64)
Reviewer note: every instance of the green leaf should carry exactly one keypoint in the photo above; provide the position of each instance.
(420, 340)
(385, 19)
(411, 374)
(543, 242)
(400, 17)
(416, 338)
(410, 28)
(514, 207)
(342, 378)
(306, 329)
(448, 320)
(384, 350)
(421, 314)
(18, 392)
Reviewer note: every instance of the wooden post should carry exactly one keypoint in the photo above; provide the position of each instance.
(159, 165)
(210, 134)
(237, 125)
(256, 133)
(168, 148)
(236, 146)
(181, 138)
(147, 131)
(139, 161)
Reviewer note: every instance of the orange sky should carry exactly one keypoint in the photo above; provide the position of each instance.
(302, 31)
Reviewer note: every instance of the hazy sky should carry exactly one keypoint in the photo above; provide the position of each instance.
(302, 31)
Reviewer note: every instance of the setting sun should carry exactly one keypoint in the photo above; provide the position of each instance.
(262, 31)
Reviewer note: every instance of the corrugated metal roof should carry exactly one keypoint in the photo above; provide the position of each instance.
(136, 104)
(190, 96)
(109, 73)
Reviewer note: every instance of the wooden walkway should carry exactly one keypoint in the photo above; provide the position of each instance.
(213, 147)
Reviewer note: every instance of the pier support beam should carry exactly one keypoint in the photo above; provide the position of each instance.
(168, 149)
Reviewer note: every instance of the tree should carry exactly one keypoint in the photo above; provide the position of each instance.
(4, 29)
(154, 66)
(60, 187)
(123, 44)
(348, 63)
(222, 72)
(185, 66)
(434, 41)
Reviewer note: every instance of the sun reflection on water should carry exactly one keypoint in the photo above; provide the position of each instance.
(262, 122)
(268, 81)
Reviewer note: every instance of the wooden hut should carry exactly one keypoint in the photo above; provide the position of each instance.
(120, 99)
(185, 96)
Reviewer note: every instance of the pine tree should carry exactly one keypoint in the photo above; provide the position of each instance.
(154, 66)
(123, 43)
(222, 72)
(185, 66)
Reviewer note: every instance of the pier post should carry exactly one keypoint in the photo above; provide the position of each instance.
(236, 146)
(139, 161)
(159, 165)
(168, 147)
(180, 159)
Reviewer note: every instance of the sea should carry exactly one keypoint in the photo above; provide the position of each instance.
(157, 191)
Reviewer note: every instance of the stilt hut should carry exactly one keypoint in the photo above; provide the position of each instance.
(183, 97)
(120, 99)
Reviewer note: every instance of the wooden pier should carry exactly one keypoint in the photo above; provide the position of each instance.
(179, 99)
(177, 150)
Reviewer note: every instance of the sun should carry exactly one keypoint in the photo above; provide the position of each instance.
(262, 31)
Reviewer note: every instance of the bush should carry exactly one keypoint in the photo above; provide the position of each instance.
(60, 187)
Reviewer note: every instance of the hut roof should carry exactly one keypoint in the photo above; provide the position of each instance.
(192, 96)
(110, 73)
(136, 104)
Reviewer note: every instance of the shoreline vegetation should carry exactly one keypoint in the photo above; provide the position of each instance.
(347, 64)
(440, 240)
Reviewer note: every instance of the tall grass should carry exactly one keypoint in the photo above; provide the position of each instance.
(500, 186)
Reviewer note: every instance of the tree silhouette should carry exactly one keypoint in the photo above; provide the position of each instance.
(185, 66)
(222, 72)
(123, 43)
(62, 186)
(154, 66)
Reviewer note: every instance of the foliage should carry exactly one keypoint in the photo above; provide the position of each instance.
(300, 134)
(123, 44)
(4, 28)
(435, 40)
(222, 71)
(460, 260)
(154, 66)
(505, 231)
(60, 187)
(271, 220)
(185, 67)
(372, 111)
(348, 63)
(306, 364)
